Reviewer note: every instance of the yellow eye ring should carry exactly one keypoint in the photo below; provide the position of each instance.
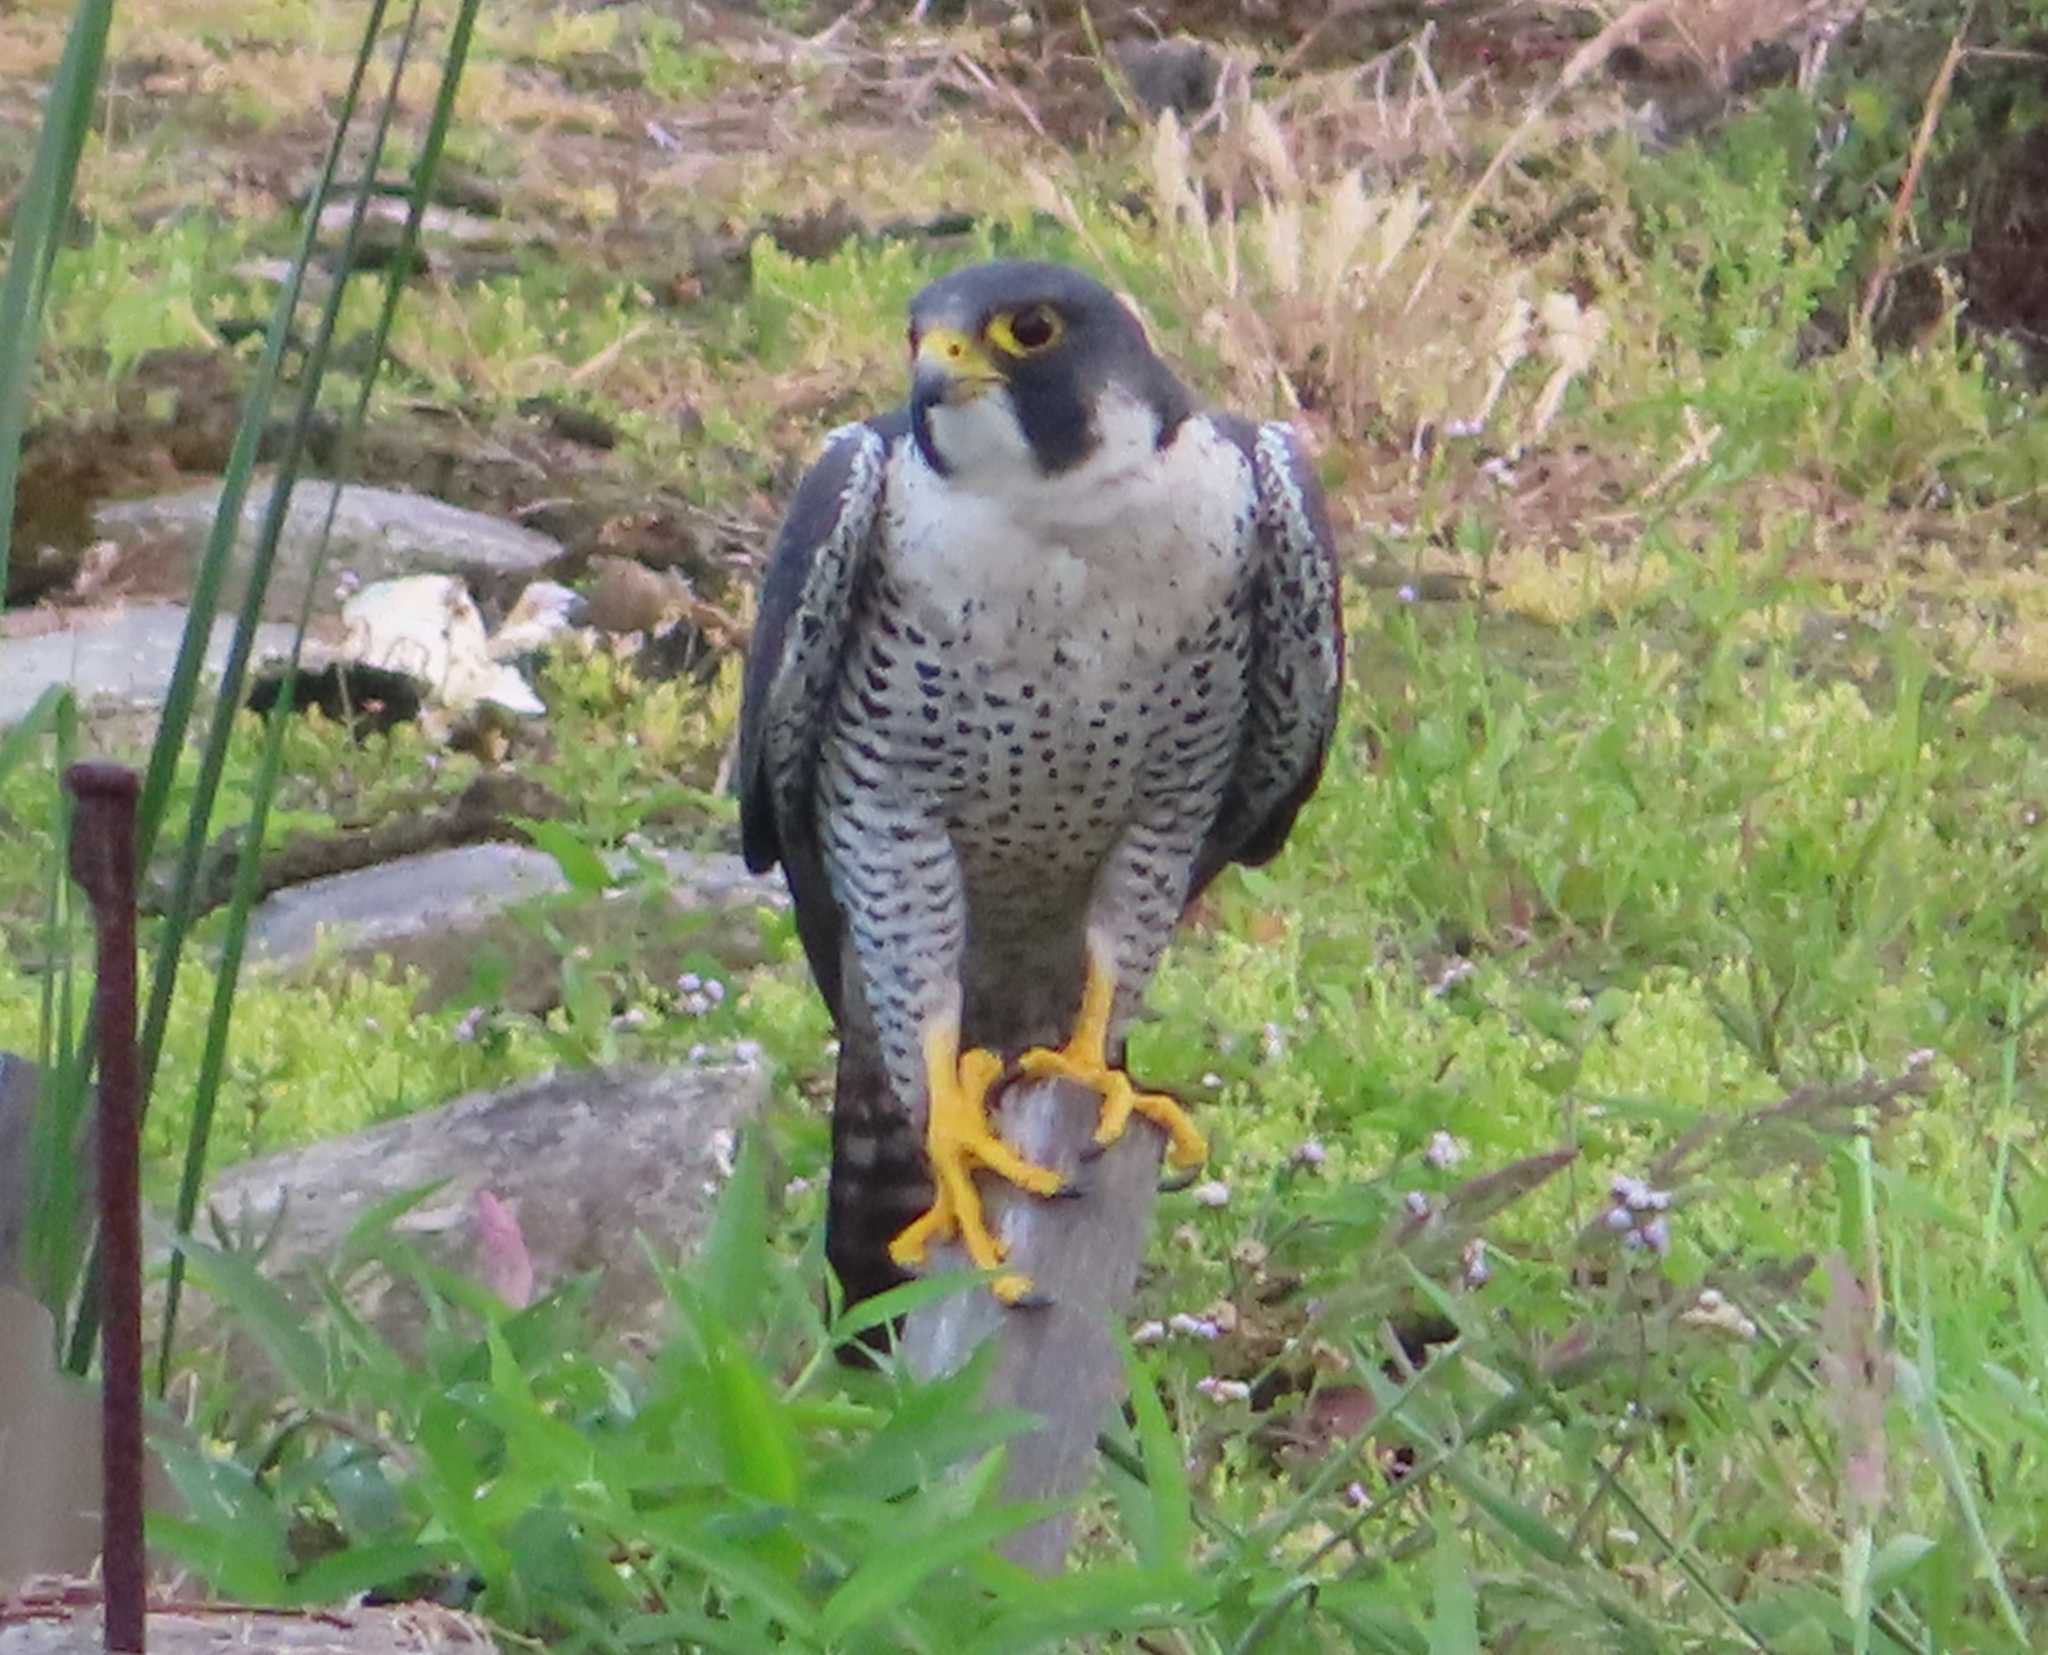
(1026, 332)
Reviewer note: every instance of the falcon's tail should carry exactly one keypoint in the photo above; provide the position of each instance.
(881, 1180)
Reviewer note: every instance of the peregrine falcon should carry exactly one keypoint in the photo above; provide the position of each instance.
(1038, 655)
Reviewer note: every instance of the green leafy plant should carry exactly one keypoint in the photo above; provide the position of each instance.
(729, 1491)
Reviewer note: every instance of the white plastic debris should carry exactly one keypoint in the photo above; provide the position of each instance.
(428, 627)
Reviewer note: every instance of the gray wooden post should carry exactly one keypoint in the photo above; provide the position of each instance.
(1059, 1361)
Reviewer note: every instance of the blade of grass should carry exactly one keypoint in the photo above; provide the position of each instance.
(1172, 1536)
(1454, 1613)
(213, 1059)
(213, 570)
(37, 225)
(51, 1248)
(205, 602)
(1919, 1379)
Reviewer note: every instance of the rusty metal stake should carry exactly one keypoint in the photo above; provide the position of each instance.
(103, 863)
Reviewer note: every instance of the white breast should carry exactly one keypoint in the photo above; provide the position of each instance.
(1113, 563)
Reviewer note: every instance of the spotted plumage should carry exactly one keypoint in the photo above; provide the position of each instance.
(1038, 656)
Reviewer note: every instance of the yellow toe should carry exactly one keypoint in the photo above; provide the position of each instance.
(961, 1142)
(1085, 1060)
(1185, 1145)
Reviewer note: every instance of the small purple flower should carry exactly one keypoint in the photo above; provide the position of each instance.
(1148, 1333)
(1443, 1150)
(1214, 1193)
(1417, 1204)
(1356, 1497)
(1193, 1327)
(1406, 593)
(1637, 1214)
(1223, 1390)
(1477, 1274)
(471, 1025)
(1310, 1153)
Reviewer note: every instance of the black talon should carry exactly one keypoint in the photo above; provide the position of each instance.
(1034, 1300)
(1094, 1152)
(1069, 1191)
(1181, 1181)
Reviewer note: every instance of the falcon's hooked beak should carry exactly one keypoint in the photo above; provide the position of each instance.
(951, 368)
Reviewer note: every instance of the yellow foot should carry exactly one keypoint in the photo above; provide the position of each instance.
(960, 1143)
(1085, 1058)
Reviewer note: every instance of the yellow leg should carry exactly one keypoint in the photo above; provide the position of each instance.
(1085, 1058)
(960, 1142)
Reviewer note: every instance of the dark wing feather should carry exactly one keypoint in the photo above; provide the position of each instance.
(1297, 659)
(807, 598)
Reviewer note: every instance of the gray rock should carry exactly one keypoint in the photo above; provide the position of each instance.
(385, 907)
(66, 1620)
(378, 533)
(385, 216)
(442, 911)
(49, 1458)
(49, 1423)
(17, 1118)
(119, 655)
(587, 1162)
(1180, 74)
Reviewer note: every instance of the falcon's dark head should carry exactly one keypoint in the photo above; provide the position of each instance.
(1022, 366)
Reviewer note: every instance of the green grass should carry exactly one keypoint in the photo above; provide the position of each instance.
(1697, 839)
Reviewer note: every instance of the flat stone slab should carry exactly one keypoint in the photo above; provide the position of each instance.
(440, 911)
(383, 907)
(585, 1162)
(67, 1621)
(117, 655)
(379, 534)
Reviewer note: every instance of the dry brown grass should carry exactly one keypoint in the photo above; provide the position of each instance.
(1712, 37)
(1298, 288)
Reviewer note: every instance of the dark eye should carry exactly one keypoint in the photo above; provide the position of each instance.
(1035, 328)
